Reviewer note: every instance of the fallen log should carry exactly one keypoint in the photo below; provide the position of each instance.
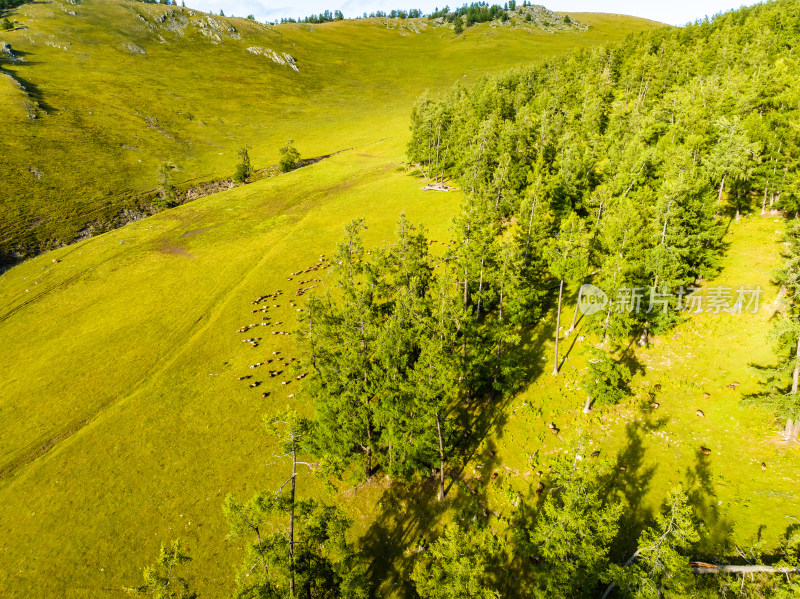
(703, 568)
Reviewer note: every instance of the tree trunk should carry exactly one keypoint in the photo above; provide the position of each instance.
(466, 280)
(599, 214)
(790, 430)
(721, 187)
(796, 376)
(480, 292)
(499, 343)
(605, 326)
(444, 161)
(666, 219)
(496, 370)
(430, 144)
(368, 461)
(438, 143)
(575, 314)
(701, 568)
(558, 325)
(441, 458)
(291, 518)
(530, 229)
(587, 406)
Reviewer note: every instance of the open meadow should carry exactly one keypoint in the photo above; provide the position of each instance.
(130, 405)
(112, 90)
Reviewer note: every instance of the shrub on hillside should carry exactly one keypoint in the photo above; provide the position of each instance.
(244, 170)
(165, 182)
(606, 380)
(290, 157)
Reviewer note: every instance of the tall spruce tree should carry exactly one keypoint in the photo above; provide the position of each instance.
(567, 256)
(659, 566)
(455, 565)
(570, 536)
(781, 382)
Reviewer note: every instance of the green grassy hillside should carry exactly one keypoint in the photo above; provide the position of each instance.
(102, 93)
(149, 419)
(120, 359)
(122, 420)
(124, 423)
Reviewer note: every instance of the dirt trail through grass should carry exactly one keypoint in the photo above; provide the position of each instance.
(175, 353)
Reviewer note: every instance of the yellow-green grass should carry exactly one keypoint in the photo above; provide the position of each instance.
(135, 331)
(122, 420)
(662, 447)
(108, 118)
(739, 504)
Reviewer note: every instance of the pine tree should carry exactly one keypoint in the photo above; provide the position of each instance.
(455, 565)
(165, 181)
(289, 157)
(161, 580)
(244, 169)
(293, 432)
(570, 536)
(780, 387)
(606, 381)
(659, 567)
(732, 155)
(567, 257)
(458, 25)
(314, 553)
(347, 380)
(432, 391)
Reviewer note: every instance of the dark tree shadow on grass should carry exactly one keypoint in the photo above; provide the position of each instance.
(716, 528)
(630, 482)
(409, 514)
(410, 518)
(32, 90)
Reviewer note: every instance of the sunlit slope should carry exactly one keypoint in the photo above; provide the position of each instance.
(117, 88)
(121, 420)
(122, 361)
(124, 424)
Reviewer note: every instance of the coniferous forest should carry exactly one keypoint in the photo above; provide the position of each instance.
(620, 165)
(613, 172)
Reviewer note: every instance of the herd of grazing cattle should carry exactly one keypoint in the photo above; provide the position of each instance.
(263, 305)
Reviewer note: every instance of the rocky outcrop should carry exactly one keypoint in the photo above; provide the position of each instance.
(216, 25)
(61, 46)
(531, 16)
(548, 20)
(133, 48)
(7, 53)
(214, 29)
(283, 59)
(177, 20)
(212, 35)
